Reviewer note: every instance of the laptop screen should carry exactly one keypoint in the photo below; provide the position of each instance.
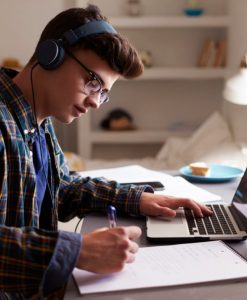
(240, 200)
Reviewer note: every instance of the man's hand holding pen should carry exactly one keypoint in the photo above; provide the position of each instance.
(106, 250)
(113, 247)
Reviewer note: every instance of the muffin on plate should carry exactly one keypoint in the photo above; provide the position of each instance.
(199, 169)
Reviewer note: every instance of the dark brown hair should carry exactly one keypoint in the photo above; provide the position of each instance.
(115, 49)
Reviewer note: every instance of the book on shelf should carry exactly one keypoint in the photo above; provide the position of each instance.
(213, 54)
(220, 59)
(207, 54)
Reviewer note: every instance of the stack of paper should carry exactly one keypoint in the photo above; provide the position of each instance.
(174, 186)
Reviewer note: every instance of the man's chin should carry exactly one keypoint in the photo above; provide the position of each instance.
(66, 120)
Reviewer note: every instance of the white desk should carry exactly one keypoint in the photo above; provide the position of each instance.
(215, 291)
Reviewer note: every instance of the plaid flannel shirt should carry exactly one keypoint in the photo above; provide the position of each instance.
(30, 244)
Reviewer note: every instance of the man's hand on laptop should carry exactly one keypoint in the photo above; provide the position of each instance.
(161, 205)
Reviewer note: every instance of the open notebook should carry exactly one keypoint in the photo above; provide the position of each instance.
(164, 266)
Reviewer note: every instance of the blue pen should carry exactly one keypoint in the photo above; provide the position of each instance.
(112, 216)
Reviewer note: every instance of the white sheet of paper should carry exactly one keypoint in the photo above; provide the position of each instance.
(174, 186)
(133, 173)
(180, 187)
(167, 266)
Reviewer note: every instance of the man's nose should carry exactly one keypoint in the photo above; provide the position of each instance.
(93, 101)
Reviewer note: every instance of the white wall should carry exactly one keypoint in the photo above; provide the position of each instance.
(237, 32)
(22, 22)
(237, 114)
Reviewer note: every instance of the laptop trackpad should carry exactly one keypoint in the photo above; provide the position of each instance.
(177, 220)
(167, 227)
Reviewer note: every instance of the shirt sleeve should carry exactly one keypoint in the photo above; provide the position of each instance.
(83, 195)
(62, 262)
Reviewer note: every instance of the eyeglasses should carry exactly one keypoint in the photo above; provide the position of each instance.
(93, 87)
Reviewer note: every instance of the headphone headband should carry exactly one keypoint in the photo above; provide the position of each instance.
(72, 36)
(50, 53)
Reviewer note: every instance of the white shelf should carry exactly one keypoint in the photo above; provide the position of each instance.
(190, 92)
(170, 21)
(133, 136)
(184, 73)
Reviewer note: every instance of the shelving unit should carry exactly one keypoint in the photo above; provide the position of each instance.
(169, 21)
(172, 90)
(183, 73)
(132, 137)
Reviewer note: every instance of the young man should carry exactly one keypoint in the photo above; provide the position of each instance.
(76, 62)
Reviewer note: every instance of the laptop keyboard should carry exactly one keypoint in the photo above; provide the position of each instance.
(218, 223)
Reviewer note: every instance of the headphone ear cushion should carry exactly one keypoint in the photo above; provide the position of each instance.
(50, 54)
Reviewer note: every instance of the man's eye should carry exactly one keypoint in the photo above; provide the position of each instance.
(93, 85)
(95, 82)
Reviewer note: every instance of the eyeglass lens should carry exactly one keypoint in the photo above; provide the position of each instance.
(93, 87)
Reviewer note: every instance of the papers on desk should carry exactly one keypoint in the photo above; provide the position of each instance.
(174, 186)
(168, 266)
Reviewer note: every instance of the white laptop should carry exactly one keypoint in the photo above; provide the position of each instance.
(229, 222)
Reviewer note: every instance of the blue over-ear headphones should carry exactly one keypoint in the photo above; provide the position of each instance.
(50, 53)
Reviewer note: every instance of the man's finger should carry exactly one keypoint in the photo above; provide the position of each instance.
(133, 232)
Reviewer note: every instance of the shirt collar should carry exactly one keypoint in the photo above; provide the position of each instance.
(17, 103)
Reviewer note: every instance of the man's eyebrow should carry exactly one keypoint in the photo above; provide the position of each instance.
(101, 81)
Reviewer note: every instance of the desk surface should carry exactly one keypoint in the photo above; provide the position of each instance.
(222, 290)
